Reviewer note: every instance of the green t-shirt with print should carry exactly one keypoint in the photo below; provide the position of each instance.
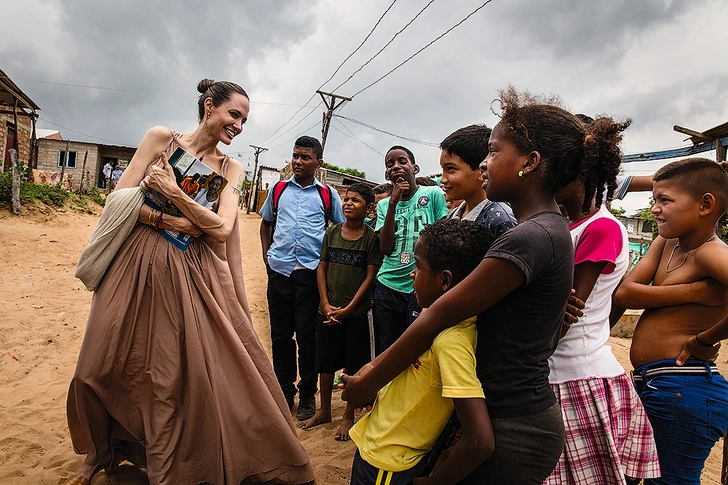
(426, 206)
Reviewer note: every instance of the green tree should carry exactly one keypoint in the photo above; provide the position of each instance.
(646, 215)
(349, 170)
(617, 211)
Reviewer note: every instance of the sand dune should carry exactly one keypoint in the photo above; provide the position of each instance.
(41, 330)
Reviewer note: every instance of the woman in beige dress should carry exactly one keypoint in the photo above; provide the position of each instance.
(171, 374)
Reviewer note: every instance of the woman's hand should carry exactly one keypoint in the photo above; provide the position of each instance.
(182, 225)
(162, 179)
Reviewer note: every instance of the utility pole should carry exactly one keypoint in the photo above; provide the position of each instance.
(253, 188)
(330, 100)
(245, 183)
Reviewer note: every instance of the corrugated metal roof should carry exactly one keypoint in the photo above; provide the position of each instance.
(9, 92)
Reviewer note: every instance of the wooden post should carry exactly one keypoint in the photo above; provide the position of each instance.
(253, 187)
(719, 151)
(331, 105)
(65, 161)
(15, 187)
(83, 173)
(33, 159)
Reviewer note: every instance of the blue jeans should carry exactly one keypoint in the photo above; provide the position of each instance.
(688, 413)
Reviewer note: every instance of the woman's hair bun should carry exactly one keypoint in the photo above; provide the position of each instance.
(204, 85)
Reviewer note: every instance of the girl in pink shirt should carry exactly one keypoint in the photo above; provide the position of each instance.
(608, 437)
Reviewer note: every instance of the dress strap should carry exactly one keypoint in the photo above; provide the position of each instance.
(175, 139)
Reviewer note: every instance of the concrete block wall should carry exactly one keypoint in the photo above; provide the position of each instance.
(48, 151)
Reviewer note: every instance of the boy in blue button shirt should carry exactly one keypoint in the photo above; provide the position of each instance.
(292, 256)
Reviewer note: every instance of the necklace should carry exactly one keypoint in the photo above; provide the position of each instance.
(669, 260)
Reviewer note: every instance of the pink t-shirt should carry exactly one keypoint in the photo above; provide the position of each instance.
(600, 242)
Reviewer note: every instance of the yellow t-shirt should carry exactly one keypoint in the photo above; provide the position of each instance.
(411, 411)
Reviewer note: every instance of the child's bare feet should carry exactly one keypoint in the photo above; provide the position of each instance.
(342, 434)
(321, 417)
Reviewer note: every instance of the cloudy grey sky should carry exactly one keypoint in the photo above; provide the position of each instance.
(660, 62)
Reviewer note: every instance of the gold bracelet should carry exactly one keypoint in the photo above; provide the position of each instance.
(152, 217)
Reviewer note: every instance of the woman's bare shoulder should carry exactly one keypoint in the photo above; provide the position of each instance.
(157, 135)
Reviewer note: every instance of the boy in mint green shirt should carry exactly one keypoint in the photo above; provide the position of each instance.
(400, 218)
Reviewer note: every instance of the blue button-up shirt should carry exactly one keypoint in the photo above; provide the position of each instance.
(300, 228)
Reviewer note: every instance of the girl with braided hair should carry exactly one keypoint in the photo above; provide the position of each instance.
(608, 438)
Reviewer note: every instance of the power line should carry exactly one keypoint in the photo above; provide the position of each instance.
(356, 137)
(413, 140)
(81, 133)
(330, 77)
(291, 118)
(295, 137)
(271, 140)
(360, 46)
(385, 45)
(425, 47)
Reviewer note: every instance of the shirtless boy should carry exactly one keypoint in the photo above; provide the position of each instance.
(681, 283)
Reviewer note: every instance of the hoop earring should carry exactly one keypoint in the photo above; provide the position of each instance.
(520, 173)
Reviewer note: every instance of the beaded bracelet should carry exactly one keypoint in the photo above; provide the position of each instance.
(158, 221)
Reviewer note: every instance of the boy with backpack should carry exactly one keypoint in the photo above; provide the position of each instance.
(295, 215)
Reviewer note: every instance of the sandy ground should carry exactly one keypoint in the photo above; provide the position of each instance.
(41, 330)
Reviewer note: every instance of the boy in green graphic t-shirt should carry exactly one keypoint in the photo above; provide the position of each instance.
(400, 218)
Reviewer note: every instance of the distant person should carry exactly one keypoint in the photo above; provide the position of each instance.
(681, 283)
(425, 182)
(393, 440)
(452, 204)
(400, 218)
(350, 259)
(116, 176)
(291, 232)
(171, 375)
(381, 191)
(107, 171)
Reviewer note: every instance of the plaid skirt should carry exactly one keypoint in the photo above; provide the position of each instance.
(608, 434)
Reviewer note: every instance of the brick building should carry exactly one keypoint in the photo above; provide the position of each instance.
(17, 123)
(56, 155)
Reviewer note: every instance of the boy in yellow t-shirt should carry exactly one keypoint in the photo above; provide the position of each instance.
(410, 412)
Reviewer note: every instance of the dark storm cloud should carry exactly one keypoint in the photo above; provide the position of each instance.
(147, 47)
(590, 30)
(654, 60)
